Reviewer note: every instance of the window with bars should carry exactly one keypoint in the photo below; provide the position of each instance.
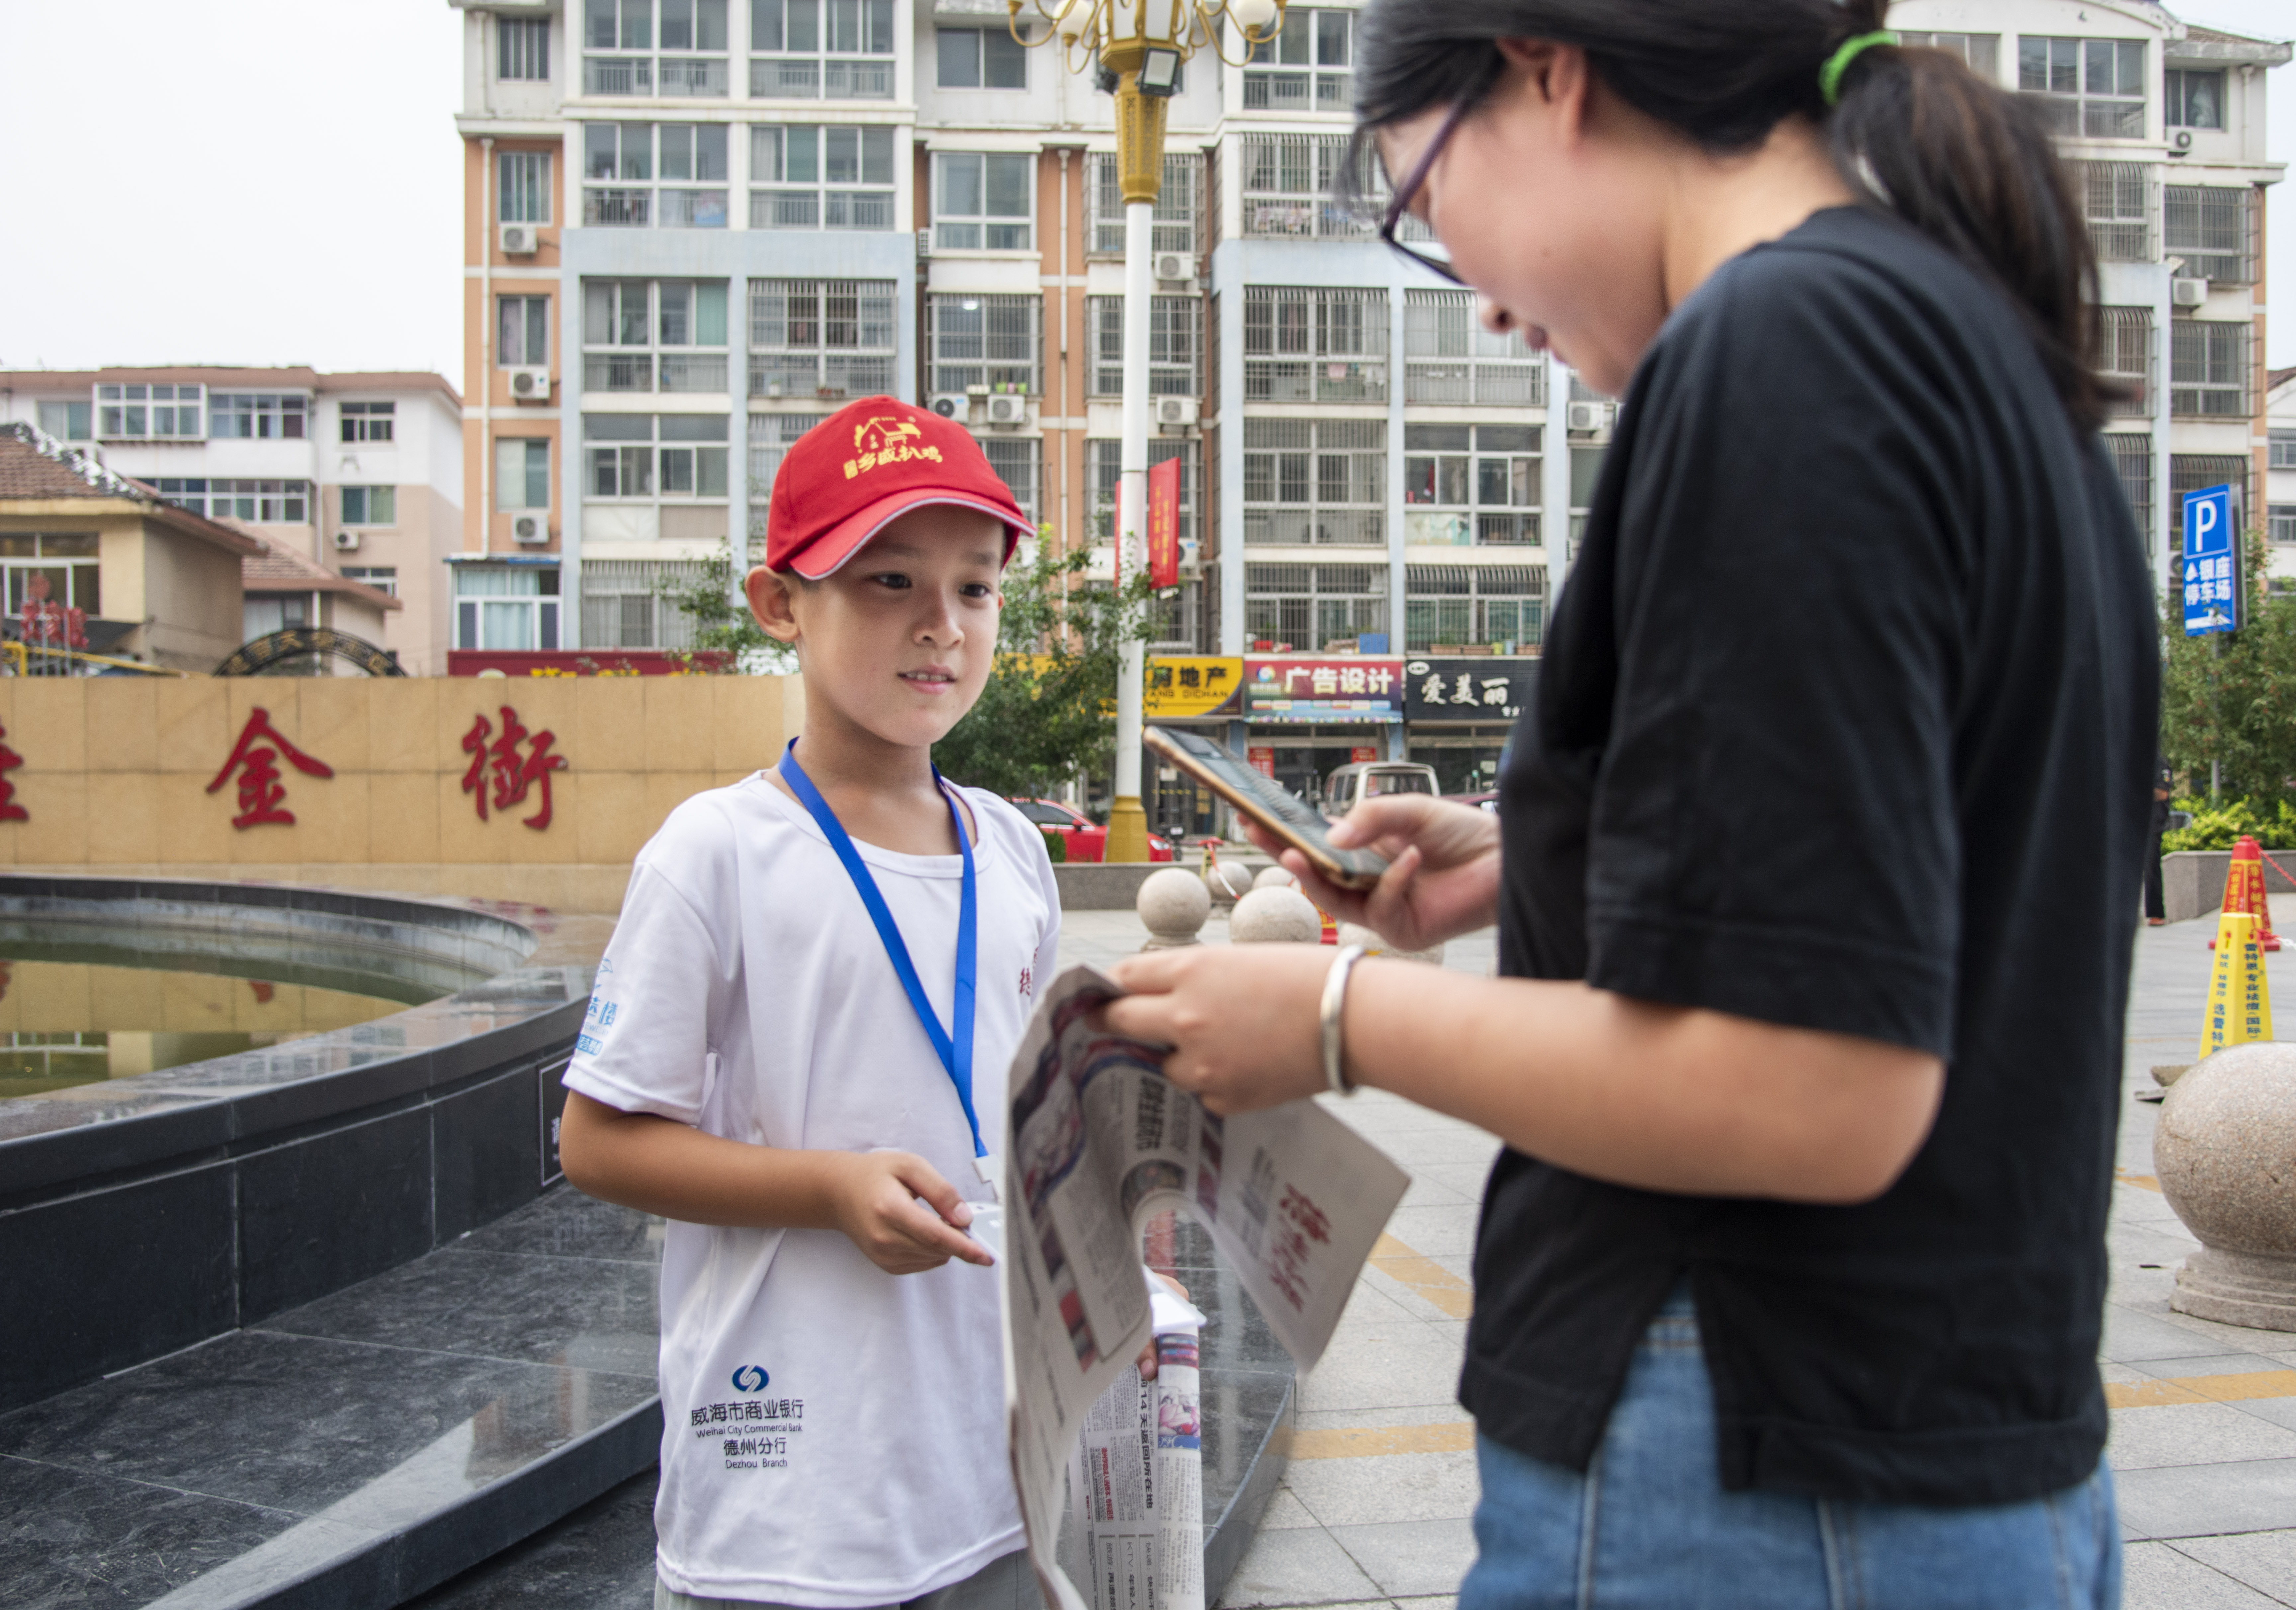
(1464, 484)
(2197, 472)
(1103, 463)
(1176, 218)
(1173, 326)
(2117, 198)
(1018, 463)
(521, 330)
(2213, 228)
(1187, 622)
(771, 437)
(625, 54)
(2208, 369)
(2128, 357)
(522, 48)
(637, 457)
(996, 341)
(1307, 606)
(2091, 89)
(1313, 344)
(810, 176)
(654, 335)
(826, 339)
(1446, 605)
(1981, 52)
(622, 606)
(619, 174)
(981, 200)
(522, 186)
(2132, 460)
(1315, 481)
(813, 50)
(1285, 182)
(1450, 357)
(1307, 66)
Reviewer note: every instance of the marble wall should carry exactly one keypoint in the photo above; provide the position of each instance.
(116, 773)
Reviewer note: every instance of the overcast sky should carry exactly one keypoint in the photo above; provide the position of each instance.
(274, 182)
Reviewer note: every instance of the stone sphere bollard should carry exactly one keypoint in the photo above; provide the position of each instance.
(1173, 904)
(1275, 877)
(1227, 882)
(1355, 933)
(2227, 1131)
(1274, 916)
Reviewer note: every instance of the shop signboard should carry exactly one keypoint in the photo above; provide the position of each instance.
(1467, 687)
(1192, 687)
(1354, 689)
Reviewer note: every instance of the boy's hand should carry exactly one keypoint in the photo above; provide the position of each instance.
(878, 1208)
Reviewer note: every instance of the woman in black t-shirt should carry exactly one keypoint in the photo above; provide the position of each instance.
(1816, 858)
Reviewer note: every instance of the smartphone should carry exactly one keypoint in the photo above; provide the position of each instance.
(1282, 814)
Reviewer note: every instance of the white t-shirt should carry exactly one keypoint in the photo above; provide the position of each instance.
(835, 1434)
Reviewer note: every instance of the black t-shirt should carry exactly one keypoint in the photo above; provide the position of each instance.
(1847, 722)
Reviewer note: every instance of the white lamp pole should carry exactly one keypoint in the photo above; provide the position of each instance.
(1139, 44)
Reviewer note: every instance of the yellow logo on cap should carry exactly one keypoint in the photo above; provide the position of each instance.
(878, 442)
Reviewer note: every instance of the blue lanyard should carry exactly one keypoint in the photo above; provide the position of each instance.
(954, 1050)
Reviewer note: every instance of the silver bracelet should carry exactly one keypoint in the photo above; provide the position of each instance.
(1335, 999)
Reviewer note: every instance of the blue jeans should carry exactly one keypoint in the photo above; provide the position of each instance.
(1649, 1527)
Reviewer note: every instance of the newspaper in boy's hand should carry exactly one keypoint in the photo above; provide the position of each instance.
(1099, 1143)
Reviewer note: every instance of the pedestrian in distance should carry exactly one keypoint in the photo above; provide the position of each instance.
(797, 1053)
(1812, 864)
(2164, 786)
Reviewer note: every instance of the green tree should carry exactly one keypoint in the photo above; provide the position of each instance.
(2230, 697)
(706, 597)
(1048, 712)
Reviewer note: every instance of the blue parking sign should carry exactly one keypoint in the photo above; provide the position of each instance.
(2211, 563)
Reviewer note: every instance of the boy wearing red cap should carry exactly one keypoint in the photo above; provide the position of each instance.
(797, 1052)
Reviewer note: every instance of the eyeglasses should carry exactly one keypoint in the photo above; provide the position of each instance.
(1408, 190)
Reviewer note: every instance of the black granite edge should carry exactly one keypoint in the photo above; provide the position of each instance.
(429, 1552)
(1226, 1540)
(369, 927)
(303, 896)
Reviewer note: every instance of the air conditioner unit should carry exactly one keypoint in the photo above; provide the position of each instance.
(1192, 558)
(951, 405)
(529, 385)
(520, 240)
(1586, 416)
(2188, 293)
(1008, 408)
(1174, 412)
(529, 528)
(347, 540)
(1175, 266)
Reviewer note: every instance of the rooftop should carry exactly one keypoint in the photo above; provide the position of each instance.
(233, 377)
(276, 569)
(36, 466)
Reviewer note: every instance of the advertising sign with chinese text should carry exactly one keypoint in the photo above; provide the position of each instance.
(1164, 524)
(1341, 688)
(2211, 563)
(1468, 687)
(1191, 687)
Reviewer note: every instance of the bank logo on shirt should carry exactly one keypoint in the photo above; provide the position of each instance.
(750, 1378)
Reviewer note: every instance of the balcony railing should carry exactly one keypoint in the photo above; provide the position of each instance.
(844, 80)
(1302, 527)
(829, 375)
(617, 372)
(867, 209)
(1316, 380)
(616, 76)
(617, 208)
(1265, 90)
(693, 371)
(1507, 525)
(704, 75)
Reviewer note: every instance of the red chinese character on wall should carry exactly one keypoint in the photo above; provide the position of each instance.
(260, 791)
(512, 774)
(10, 811)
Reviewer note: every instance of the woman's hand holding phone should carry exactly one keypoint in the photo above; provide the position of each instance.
(1442, 879)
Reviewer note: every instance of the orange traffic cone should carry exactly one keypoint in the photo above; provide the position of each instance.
(2244, 891)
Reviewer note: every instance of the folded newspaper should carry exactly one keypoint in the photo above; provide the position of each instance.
(1101, 1142)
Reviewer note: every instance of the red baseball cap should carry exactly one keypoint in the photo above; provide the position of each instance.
(864, 466)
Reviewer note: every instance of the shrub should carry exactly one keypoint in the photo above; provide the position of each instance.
(1056, 845)
(2271, 823)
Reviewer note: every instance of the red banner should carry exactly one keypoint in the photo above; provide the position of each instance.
(1164, 525)
(583, 662)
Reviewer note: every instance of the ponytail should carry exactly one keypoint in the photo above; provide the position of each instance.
(1912, 131)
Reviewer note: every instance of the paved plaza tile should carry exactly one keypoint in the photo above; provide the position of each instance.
(1374, 1506)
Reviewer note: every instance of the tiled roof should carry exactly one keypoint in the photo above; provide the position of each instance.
(277, 569)
(33, 464)
(227, 377)
(2274, 379)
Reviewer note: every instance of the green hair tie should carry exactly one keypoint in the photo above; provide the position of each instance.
(1829, 76)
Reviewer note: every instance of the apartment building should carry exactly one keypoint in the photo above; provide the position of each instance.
(359, 474)
(2280, 475)
(696, 228)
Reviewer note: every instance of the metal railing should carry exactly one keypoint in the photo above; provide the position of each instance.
(617, 208)
(617, 372)
(693, 371)
(704, 75)
(1317, 527)
(616, 76)
(692, 209)
(2117, 200)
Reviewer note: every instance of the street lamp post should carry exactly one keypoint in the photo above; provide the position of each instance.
(1136, 47)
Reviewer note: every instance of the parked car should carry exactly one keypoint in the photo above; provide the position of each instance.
(1085, 838)
(1352, 784)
